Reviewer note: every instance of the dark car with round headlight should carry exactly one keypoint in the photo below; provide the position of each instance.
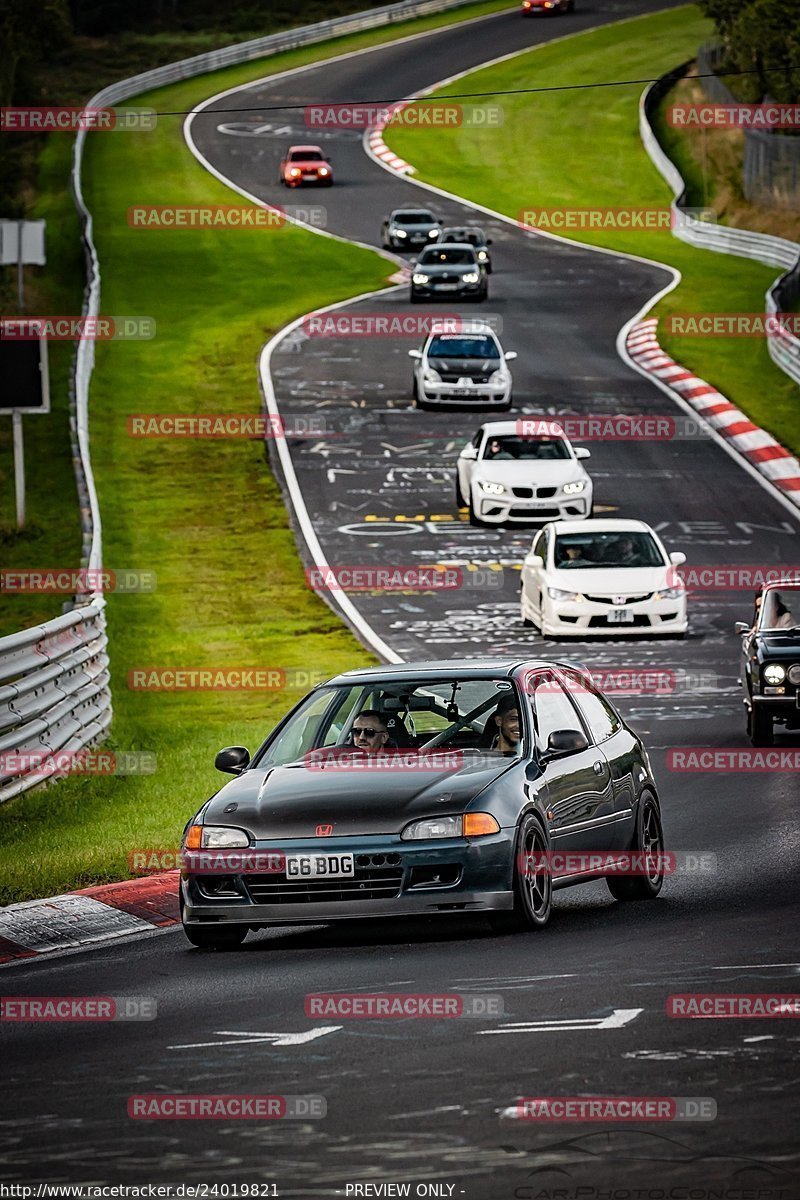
(468, 787)
(770, 673)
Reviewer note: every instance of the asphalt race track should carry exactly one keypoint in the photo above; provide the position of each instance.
(422, 1101)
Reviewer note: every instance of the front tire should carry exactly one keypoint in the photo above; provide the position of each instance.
(474, 519)
(459, 495)
(533, 884)
(760, 728)
(647, 839)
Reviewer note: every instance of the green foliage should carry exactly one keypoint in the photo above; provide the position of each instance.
(762, 38)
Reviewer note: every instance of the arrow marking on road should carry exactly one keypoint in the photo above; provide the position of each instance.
(276, 1039)
(616, 1020)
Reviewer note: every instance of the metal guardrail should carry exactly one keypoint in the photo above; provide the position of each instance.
(54, 678)
(783, 347)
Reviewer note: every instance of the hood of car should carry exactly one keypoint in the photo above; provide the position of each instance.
(422, 227)
(778, 646)
(616, 581)
(464, 366)
(307, 164)
(512, 472)
(291, 801)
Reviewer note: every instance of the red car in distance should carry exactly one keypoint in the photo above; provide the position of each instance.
(541, 7)
(305, 164)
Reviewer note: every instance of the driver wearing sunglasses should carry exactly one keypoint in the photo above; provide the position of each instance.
(370, 732)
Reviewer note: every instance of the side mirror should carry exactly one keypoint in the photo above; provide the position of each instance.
(534, 561)
(565, 741)
(582, 452)
(741, 627)
(470, 452)
(415, 354)
(511, 355)
(678, 558)
(488, 241)
(232, 760)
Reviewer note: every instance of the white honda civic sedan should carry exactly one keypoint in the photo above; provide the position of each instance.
(606, 577)
(504, 475)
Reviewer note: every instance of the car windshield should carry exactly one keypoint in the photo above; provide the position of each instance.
(306, 156)
(463, 235)
(617, 549)
(781, 609)
(542, 449)
(414, 218)
(390, 715)
(449, 258)
(453, 346)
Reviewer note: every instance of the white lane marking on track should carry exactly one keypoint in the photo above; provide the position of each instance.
(275, 1039)
(616, 1020)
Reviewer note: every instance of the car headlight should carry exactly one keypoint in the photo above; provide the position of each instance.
(418, 277)
(431, 376)
(794, 674)
(476, 824)
(433, 233)
(558, 594)
(215, 837)
(483, 256)
(295, 171)
(499, 378)
(324, 171)
(572, 489)
(491, 489)
(675, 593)
(774, 673)
(471, 277)
(401, 233)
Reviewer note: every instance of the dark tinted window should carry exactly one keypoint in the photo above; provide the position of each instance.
(306, 156)
(609, 549)
(540, 449)
(414, 218)
(553, 708)
(599, 715)
(453, 346)
(447, 258)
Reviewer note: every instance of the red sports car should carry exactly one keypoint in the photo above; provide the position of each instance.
(305, 164)
(539, 7)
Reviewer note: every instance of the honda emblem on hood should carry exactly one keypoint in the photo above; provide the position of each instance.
(324, 830)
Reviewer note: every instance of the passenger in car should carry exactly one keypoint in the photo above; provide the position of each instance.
(506, 718)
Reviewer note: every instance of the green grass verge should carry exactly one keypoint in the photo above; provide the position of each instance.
(582, 149)
(206, 516)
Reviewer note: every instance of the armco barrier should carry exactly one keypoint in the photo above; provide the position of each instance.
(54, 680)
(784, 349)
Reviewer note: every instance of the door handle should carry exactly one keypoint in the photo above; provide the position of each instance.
(597, 767)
